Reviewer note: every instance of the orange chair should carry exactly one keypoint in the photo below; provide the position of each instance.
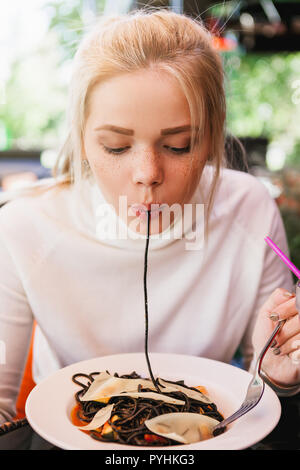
(27, 383)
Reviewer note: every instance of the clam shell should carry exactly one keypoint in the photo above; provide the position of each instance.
(182, 427)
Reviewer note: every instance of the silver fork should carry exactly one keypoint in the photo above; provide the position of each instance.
(255, 388)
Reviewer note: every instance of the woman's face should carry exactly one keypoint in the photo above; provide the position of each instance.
(137, 140)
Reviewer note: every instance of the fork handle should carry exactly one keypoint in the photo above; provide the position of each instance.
(222, 424)
(257, 373)
(268, 344)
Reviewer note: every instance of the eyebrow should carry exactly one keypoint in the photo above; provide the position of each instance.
(122, 130)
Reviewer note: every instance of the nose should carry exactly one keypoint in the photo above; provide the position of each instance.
(147, 168)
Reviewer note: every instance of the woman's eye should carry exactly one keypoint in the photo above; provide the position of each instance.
(114, 151)
(180, 150)
(118, 151)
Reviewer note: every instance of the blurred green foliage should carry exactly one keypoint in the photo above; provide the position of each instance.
(69, 20)
(288, 180)
(294, 156)
(33, 111)
(263, 98)
(292, 227)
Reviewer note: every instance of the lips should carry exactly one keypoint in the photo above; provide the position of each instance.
(140, 209)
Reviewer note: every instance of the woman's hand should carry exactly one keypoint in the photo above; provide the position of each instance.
(279, 362)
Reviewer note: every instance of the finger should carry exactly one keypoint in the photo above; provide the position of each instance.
(284, 311)
(291, 345)
(289, 329)
(277, 297)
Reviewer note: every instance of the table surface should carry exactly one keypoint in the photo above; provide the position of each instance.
(286, 435)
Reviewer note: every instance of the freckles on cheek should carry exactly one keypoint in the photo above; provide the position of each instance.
(182, 173)
(187, 176)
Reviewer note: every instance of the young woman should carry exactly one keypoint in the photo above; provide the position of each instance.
(146, 127)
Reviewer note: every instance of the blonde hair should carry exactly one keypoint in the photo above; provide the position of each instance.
(142, 39)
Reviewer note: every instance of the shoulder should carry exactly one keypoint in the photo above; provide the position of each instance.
(245, 201)
(31, 226)
(239, 187)
(28, 211)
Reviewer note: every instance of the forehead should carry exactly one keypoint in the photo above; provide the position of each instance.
(149, 97)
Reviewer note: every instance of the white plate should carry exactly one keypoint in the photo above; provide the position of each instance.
(49, 404)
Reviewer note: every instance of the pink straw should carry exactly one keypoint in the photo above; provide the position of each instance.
(284, 258)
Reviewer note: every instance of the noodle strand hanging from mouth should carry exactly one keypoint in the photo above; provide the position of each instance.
(146, 302)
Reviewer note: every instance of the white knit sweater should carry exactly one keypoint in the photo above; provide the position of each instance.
(85, 291)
